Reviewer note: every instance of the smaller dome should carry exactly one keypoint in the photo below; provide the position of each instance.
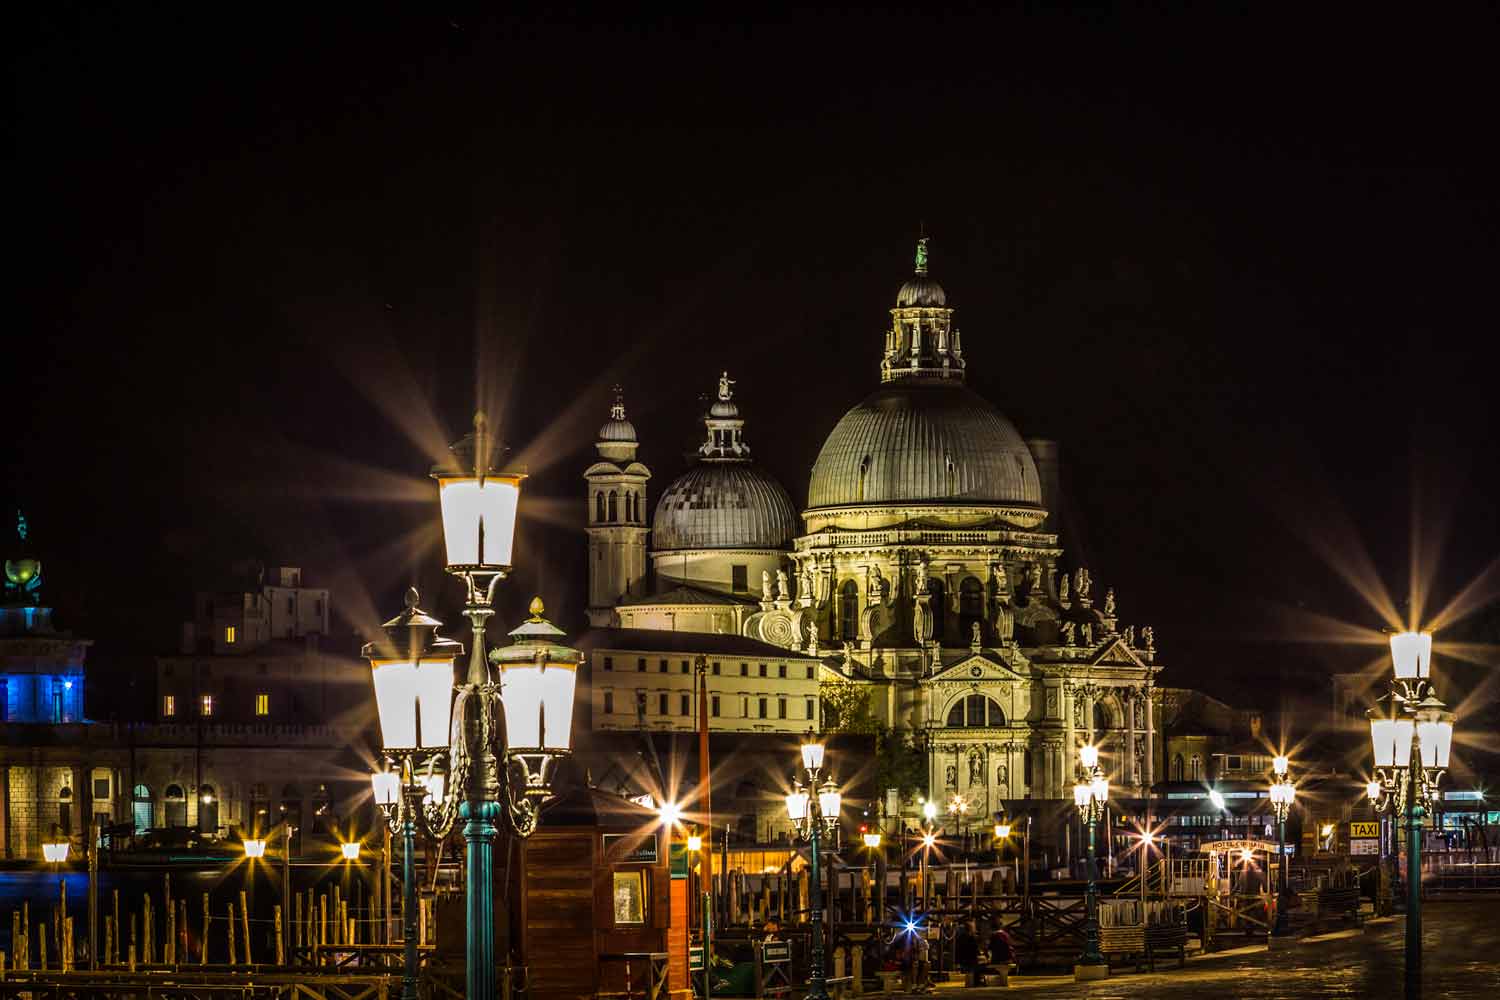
(921, 291)
(621, 430)
(724, 409)
(724, 505)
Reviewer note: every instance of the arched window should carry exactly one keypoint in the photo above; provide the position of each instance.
(208, 809)
(630, 507)
(849, 610)
(176, 806)
(614, 507)
(141, 808)
(1196, 764)
(1101, 721)
(1177, 768)
(599, 507)
(938, 604)
(970, 606)
(975, 710)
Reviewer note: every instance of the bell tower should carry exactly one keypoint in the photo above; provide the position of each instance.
(616, 518)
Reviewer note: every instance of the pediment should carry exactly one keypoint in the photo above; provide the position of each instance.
(1117, 654)
(977, 667)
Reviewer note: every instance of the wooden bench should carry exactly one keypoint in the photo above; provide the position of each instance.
(1337, 903)
(840, 987)
(1165, 939)
(1125, 942)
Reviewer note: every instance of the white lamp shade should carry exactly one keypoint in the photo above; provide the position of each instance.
(538, 703)
(55, 852)
(479, 519)
(1391, 741)
(407, 690)
(829, 801)
(435, 785)
(1411, 654)
(872, 840)
(350, 850)
(1436, 736)
(1088, 755)
(1081, 795)
(1002, 830)
(387, 787)
(694, 842)
(812, 756)
(1372, 791)
(1100, 789)
(796, 806)
(1279, 765)
(255, 848)
(929, 809)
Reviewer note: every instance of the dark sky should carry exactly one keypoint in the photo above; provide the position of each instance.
(1242, 268)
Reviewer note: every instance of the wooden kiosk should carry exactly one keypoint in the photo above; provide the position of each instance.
(595, 904)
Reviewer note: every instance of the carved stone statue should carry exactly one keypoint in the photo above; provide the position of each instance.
(1129, 636)
(1078, 711)
(952, 776)
(765, 585)
(976, 769)
(1083, 586)
(1148, 639)
(726, 390)
(1002, 776)
(976, 636)
(919, 578)
(1109, 602)
(1062, 590)
(1067, 629)
(1034, 578)
(880, 587)
(1002, 581)
(783, 585)
(1005, 624)
(805, 584)
(1087, 628)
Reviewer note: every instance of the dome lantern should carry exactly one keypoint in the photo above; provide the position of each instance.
(922, 341)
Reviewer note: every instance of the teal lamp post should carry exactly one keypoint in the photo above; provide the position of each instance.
(1283, 792)
(1090, 795)
(814, 816)
(1411, 744)
(480, 752)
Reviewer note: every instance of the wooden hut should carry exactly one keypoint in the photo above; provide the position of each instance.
(596, 897)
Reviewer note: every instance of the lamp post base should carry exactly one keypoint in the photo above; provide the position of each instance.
(1083, 973)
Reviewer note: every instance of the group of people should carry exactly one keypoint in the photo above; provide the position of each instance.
(974, 960)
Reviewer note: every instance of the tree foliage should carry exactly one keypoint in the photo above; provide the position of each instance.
(847, 709)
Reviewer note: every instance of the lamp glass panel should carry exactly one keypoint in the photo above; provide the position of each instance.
(396, 693)
(479, 522)
(872, 840)
(1088, 754)
(1372, 791)
(1411, 654)
(387, 786)
(435, 785)
(812, 755)
(350, 850)
(1002, 830)
(1436, 737)
(1383, 740)
(1279, 765)
(829, 801)
(255, 848)
(796, 806)
(529, 691)
(1100, 789)
(1080, 795)
(1402, 748)
(434, 685)
(694, 842)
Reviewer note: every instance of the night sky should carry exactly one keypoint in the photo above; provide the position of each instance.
(1243, 269)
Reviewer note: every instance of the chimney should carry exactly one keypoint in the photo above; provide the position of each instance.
(1048, 459)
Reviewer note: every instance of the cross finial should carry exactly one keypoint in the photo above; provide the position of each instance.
(617, 411)
(922, 255)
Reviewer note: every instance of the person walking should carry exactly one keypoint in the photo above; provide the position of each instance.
(921, 980)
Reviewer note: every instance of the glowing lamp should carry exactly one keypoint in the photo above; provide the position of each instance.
(1216, 797)
(1326, 829)
(1279, 765)
(812, 755)
(670, 813)
(413, 673)
(538, 675)
(1099, 788)
(255, 848)
(929, 810)
(1411, 654)
(350, 850)
(1002, 830)
(928, 839)
(55, 853)
(387, 787)
(1372, 790)
(1391, 741)
(478, 504)
(829, 800)
(1081, 794)
(872, 840)
(796, 806)
(694, 842)
(1435, 735)
(433, 787)
(1088, 755)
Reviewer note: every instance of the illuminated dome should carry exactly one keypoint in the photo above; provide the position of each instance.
(923, 441)
(724, 505)
(618, 430)
(921, 291)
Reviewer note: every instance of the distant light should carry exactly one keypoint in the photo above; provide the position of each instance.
(55, 853)
(695, 842)
(1148, 837)
(1326, 829)
(1279, 764)
(670, 813)
(872, 840)
(928, 840)
(255, 848)
(929, 809)
(67, 685)
(350, 850)
(1216, 797)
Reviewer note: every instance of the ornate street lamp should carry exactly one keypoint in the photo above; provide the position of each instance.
(255, 848)
(1091, 795)
(1282, 792)
(1411, 745)
(55, 853)
(814, 816)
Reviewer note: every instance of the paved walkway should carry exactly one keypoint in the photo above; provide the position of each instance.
(1461, 942)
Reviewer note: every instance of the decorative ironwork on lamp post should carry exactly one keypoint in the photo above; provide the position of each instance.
(814, 811)
(1283, 793)
(479, 752)
(1091, 795)
(1411, 744)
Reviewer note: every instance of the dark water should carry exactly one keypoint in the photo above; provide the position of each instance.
(40, 889)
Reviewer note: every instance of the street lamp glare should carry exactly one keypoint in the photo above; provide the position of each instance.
(872, 840)
(812, 753)
(928, 839)
(1216, 797)
(929, 810)
(386, 786)
(1411, 655)
(1002, 830)
(694, 842)
(255, 848)
(1279, 765)
(670, 813)
(350, 850)
(1372, 790)
(1088, 755)
(55, 853)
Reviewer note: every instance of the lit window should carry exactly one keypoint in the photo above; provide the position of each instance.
(229, 635)
(206, 705)
(262, 704)
(169, 705)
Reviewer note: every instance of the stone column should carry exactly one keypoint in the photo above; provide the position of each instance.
(1066, 700)
(1150, 741)
(1130, 778)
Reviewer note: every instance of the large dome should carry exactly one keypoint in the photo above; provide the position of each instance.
(724, 505)
(923, 441)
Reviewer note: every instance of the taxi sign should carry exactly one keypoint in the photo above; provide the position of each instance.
(1363, 829)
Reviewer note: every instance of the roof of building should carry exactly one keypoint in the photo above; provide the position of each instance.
(647, 640)
(683, 595)
(922, 441)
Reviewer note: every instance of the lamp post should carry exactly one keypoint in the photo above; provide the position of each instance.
(1091, 795)
(814, 811)
(481, 751)
(1411, 746)
(958, 808)
(1282, 792)
(929, 838)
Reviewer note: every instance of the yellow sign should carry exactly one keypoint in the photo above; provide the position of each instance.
(1357, 830)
